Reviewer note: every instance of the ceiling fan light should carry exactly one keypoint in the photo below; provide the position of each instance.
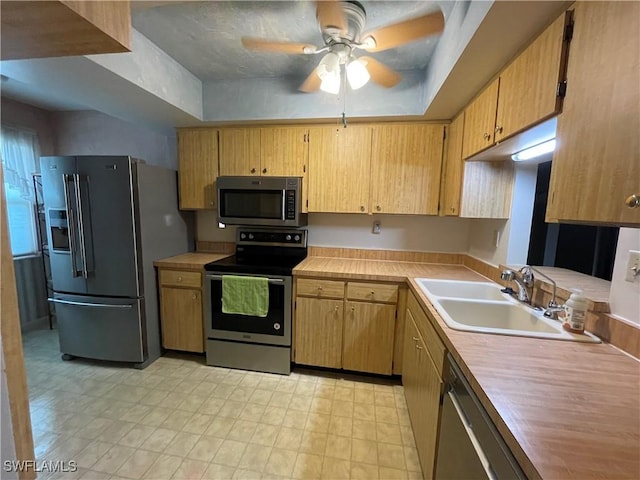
(357, 74)
(329, 65)
(331, 83)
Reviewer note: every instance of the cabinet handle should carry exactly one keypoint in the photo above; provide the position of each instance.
(372, 293)
(195, 296)
(453, 209)
(211, 203)
(179, 279)
(378, 208)
(633, 201)
(337, 307)
(353, 309)
(418, 347)
(362, 208)
(264, 170)
(253, 170)
(486, 136)
(498, 129)
(415, 339)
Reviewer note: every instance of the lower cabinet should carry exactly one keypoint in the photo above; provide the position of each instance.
(318, 332)
(181, 310)
(423, 385)
(349, 325)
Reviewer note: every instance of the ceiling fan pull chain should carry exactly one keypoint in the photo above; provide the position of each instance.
(344, 99)
(344, 120)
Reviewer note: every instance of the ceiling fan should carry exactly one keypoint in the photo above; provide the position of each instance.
(341, 24)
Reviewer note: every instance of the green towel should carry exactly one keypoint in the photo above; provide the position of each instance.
(245, 295)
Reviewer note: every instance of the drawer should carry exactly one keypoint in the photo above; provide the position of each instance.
(181, 278)
(316, 287)
(372, 292)
(435, 347)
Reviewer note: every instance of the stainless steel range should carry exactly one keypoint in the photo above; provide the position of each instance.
(245, 341)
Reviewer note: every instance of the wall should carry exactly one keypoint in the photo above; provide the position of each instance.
(624, 298)
(399, 232)
(18, 114)
(94, 133)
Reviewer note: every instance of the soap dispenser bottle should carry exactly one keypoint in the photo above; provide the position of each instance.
(576, 311)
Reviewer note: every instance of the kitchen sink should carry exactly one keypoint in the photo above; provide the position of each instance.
(470, 290)
(481, 307)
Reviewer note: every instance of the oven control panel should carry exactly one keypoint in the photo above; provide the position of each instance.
(277, 237)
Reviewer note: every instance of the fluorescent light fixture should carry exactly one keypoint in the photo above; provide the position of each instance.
(535, 151)
(357, 74)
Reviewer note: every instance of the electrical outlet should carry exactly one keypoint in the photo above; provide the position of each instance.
(633, 266)
(376, 228)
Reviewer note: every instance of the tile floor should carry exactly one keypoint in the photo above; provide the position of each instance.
(181, 419)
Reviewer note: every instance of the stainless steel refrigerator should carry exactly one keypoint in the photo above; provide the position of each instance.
(108, 218)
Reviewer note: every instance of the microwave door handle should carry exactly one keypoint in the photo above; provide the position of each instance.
(71, 224)
(83, 246)
(284, 204)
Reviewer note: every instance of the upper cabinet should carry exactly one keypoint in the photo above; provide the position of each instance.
(596, 165)
(405, 168)
(240, 151)
(527, 92)
(271, 151)
(339, 164)
(531, 86)
(59, 28)
(480, 121)
(452, 170)
(198, 167)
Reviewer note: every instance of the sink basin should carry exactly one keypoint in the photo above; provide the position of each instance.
(481, 307)
(455, 289)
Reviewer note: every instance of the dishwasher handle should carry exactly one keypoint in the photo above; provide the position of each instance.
(486, 465)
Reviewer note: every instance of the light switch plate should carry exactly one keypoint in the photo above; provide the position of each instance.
(633, 266)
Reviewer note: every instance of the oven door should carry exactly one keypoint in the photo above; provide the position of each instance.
(274, 329)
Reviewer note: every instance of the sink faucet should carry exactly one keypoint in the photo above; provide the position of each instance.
(524, 282)
(553, 308)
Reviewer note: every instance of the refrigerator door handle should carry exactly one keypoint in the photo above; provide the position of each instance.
(71, 223)
(85, 304)
(83, 246)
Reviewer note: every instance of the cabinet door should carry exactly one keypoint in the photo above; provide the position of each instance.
(283, 151)
(318, 332)
(405, 168)
(596, 165)
(423, 388)
(487, 190)
(529, 86)
(182, 325)
(452, 170)
(368, 337)
(480, 121)
(339, 160)
(198, 167)
(240, 151)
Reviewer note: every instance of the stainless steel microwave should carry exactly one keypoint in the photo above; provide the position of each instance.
(265, 201)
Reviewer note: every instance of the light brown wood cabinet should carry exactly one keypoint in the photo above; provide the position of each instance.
(596, 164)
(405, 168)
(181, 310)
(269, 151)
(527, 92)
(339, 169)
(452, 170)
(422, 380)
(473, 189)
(58, 28)
(348, 325)
(197, 168)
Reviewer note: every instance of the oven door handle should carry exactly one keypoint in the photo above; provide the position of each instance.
(219, 277)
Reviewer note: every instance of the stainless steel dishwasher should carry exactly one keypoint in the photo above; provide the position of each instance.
(469, 446)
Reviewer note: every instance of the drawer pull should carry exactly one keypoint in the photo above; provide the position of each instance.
(372, 293)
(418, 347)
(195, 297)
(415, 339)
(337, 307)
(179, 279)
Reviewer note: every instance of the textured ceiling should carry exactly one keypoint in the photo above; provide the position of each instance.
(204, 37)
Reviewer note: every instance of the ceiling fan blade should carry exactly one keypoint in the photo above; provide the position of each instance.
(400, 33)
(331, 15)
(311, 83)
(274, 46)
(380, 73)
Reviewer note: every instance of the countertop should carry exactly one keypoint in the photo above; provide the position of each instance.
(190, 261)
(566, 409)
